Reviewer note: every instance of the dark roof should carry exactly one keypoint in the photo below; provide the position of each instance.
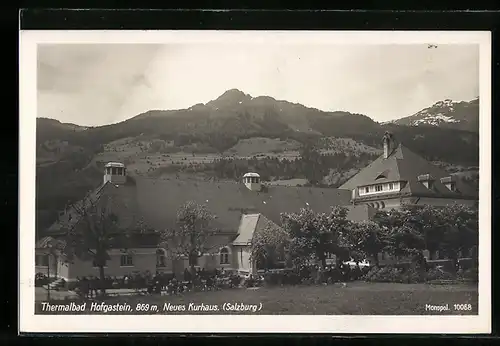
(124, 206)
(159, 200)
(117, 241)
(405, 165)
(47, 242)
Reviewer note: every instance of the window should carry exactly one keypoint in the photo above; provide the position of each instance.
(367, 189)
(41, 260)
(126, 261)
(391, 186)
(378, 188)
(224, 256)
(160, 258)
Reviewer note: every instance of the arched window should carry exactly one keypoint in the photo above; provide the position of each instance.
(224, 256)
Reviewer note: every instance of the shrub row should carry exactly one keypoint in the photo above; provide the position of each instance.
(412, 275)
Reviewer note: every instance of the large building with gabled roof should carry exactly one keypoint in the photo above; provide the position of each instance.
(240, 209)
(400, 176)
(397, 177)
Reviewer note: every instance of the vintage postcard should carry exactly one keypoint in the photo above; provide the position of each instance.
(224, 181)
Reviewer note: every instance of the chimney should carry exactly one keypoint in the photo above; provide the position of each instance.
(252, 181)
(115, 173)
(389, 144)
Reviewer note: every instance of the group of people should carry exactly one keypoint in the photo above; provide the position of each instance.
(204, 280)
(91, 285)
(200, 279)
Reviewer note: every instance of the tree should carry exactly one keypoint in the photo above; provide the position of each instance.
(191, 237)
(93, 228)
(53, 249)
(458, 229)
(405, 236)
(315, 234)
(267, 242)
(366, 239)
(450, 229)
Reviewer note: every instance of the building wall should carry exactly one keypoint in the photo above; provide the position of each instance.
(445, 201)
(395, 203)
(242, 259)
(57, 266)
(143, 260)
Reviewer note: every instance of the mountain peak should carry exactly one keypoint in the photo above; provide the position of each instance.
(229, 98)
(232, 93)
(446, 113)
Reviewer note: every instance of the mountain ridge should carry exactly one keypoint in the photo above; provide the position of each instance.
(463, 115)
(235, 98)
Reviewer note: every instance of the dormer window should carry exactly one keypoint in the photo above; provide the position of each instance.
(382, 175)
(450, 183)
(427, 180)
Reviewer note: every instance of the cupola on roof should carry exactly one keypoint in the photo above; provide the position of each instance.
(114, 164)
(251, 174)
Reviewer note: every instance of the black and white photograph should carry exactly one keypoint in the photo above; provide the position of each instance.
(255, 181)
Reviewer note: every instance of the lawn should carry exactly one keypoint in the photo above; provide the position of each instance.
(357, 298)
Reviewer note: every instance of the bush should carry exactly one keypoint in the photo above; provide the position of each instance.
(465, 263)
(273, 278)
(438, 274)
(281, 277)
(253, 281)
(469, 275)
(413, 276)
(394, 274)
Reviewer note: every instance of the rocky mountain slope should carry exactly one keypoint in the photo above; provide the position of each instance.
(447, 114)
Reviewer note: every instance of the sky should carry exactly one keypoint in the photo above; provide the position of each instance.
(99, 84)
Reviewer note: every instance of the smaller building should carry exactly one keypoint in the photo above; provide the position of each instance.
(399, 177)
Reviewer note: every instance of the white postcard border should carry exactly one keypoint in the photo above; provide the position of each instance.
(29, 322)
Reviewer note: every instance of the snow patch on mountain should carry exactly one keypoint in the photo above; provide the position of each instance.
(447, 113)
(434, 119)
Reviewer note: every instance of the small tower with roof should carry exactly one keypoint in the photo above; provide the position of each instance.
(252, 181)
(115, 173)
